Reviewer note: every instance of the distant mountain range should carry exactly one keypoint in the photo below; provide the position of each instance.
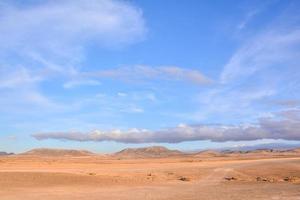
(163, 152)
(2, 153)
(275, 146)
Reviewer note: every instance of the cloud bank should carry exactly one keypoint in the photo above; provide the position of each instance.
(286, 128)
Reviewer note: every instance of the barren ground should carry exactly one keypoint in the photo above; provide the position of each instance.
(92, 177)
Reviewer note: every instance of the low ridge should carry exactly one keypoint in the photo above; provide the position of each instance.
(208, 153)
(57, 152)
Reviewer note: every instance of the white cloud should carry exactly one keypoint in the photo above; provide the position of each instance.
(132, 109)
(52, 25)
(77, 83)
(121, 94)
(53, 34)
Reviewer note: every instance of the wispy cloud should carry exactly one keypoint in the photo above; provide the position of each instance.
(263, 69)
(47, 42)
(44, 40)
(247, 18)
(17, 77)
(143, 73)
(267, 50)
(290, 103)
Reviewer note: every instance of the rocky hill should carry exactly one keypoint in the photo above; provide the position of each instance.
(147, 152)
(57, 152)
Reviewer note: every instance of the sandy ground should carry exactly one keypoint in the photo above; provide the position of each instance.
(91, 178)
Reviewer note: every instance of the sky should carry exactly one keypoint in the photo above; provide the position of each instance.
(104, 75)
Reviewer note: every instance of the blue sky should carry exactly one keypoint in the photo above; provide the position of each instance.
(104, 75)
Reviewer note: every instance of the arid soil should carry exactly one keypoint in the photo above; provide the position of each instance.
(29, 177)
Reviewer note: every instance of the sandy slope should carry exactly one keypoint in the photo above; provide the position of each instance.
(92, 177)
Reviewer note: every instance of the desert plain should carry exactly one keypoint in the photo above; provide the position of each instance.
(150, 173)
